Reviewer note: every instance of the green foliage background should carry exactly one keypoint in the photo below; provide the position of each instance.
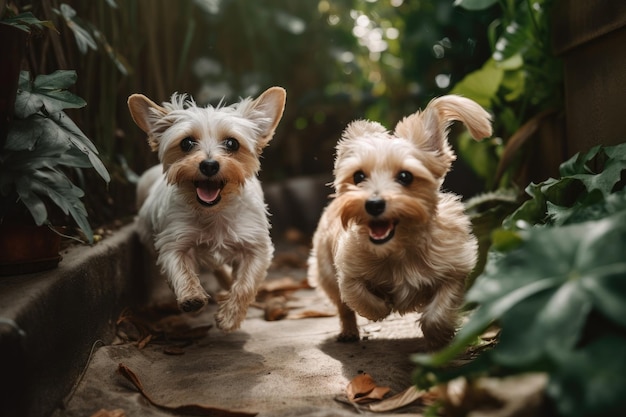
(407, 53)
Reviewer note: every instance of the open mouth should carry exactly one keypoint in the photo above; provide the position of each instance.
(381, 231)
(208, 192)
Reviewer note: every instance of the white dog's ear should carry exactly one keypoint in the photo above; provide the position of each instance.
(146, 113)
(267, 110)
(429, 129)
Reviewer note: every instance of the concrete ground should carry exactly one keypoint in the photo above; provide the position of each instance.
(287, 367)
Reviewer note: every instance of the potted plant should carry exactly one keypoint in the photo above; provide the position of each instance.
(41, 146)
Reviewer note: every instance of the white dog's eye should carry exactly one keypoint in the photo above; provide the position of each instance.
(187, 144)
(358, 177)
(404, 177)
(231, 144)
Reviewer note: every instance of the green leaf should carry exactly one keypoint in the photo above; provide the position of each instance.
(82, 31)
(47, 91)
(475, 4)
(32, 201)
(82, 143)
(551, 322)
(26, 22)
(591, 381)
(481, 85)
(577, 164)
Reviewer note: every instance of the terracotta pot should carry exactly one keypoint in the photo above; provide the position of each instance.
(25, 249)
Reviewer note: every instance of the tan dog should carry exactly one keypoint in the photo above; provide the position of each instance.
(391, 240)
(203, 206)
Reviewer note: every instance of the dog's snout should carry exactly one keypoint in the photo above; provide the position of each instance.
(209, 167)
(375, 206)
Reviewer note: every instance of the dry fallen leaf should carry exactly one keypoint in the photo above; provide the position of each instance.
(187, 409)
(402, 399)
(362, 388)
(282, 284)
(308, 314)
(276, 308)
(158, 322)
(109, 413)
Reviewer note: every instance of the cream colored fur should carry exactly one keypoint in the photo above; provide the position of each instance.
(391, 240)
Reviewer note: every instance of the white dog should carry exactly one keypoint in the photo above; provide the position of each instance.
(204, 206)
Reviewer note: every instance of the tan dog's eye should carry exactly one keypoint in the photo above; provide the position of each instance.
(231, 144)
(404, 178)
(358, 177)
(187, 144)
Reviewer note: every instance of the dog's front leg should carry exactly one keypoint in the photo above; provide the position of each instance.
(248, 274)
(179, 267)
(360, 299)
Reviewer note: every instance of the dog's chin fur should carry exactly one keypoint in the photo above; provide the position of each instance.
(416, 252)
(194, 217)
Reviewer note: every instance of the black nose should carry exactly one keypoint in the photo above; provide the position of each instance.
(375, 206)
(209, 167)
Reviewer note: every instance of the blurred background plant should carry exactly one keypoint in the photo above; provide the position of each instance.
(339, 60)
(522, 83)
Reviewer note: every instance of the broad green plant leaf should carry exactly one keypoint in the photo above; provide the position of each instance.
(481, 85)
(591, 381)
(543, 294)
(47, 92)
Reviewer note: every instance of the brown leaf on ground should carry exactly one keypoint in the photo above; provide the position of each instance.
(276, 308)
(309, 314)
(109, 413)
(362, 389)
(187, 409)
(282, 285)
(158, 323)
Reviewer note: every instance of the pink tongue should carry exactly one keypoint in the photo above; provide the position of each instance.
(380, 230)
(208, 191)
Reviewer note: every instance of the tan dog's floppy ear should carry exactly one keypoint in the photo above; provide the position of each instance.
(145, 113)
(270, 106)
(450, 108)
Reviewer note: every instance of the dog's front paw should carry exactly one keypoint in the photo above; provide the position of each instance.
(229, 318)
(193, 304)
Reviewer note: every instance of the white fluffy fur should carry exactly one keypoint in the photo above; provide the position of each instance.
(415, 253)
(230, 236)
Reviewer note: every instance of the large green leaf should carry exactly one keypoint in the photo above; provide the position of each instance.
(482, 84)
(591, 381)
(47, 92)
(550, 322)
(81, 142)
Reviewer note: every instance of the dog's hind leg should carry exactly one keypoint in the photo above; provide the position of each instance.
(440, 318)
